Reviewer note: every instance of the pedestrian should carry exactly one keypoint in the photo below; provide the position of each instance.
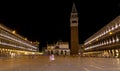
(52, 57)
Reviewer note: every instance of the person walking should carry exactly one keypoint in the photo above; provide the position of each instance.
(52, 57)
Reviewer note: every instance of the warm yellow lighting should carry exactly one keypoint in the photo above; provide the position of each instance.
(97, 39)
(37, 42)
(41, 53)
(33, 53)
(110, 33)
(25, 38)
(26, 53)
(13, 31)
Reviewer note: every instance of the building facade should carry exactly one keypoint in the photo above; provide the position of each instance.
(105, 42)
(12, 44)
(60, 48)
(74, 40)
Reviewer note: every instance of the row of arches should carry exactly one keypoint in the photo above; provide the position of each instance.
(58, 52)
(115, 26)
(104, 53)
(107, 41)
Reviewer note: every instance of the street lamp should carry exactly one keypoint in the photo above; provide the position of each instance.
(13, 31)
(25, 38)
(110, 33)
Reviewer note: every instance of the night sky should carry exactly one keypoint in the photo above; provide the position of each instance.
(49, 21)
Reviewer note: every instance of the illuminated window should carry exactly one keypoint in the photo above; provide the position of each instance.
(113, 40)
(113, 28)
(110, 41)
(117, 39)
(109, 29)
(107, 42)
(116, 26)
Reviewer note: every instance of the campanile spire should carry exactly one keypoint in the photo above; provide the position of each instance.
(74, 8)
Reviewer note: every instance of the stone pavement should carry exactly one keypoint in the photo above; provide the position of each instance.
(61, 63)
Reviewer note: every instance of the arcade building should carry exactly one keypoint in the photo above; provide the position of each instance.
(105, 42)
(13, 44)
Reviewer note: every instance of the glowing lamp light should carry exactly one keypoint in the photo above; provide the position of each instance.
(13, 31)
(110, 33)
(117, 39)
(113, 40)
(25, 38)
(116, 26)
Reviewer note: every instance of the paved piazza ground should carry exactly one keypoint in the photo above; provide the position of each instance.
(68, 63)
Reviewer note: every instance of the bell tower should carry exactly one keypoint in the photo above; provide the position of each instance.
(74, 41)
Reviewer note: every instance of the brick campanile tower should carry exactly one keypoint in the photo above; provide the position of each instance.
(74, 41)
